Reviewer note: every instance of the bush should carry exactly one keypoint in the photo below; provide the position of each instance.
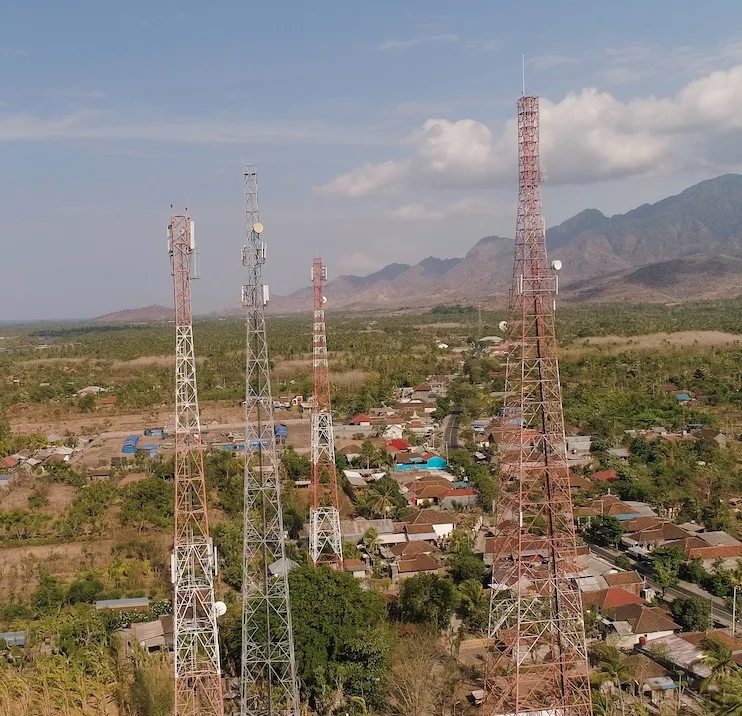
(692, 613)
(427, 599)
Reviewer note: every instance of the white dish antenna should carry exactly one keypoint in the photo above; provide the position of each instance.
(556, 264)
(324, 299)
(503, 325)
(258, 228)
(221, 609)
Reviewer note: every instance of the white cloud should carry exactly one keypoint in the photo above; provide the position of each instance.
(409, 43)
(587, 136)
(359, 263)
(542, 63)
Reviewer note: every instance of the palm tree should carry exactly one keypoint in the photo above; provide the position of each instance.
(381, 496)
(372, 541)
(720, 659)
(612, 666)
(728, 700)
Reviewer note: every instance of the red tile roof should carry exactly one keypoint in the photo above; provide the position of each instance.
(611, 598)
(8, 462)
(462, 492)
(605, 475)
(721, 552)
(399, 444)
(619, 579)
(407, 550)
(420, 563)
(353, 565)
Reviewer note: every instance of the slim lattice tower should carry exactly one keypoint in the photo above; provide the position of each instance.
(325, 540)
(198, 688)
(536, 631)
(269, 684)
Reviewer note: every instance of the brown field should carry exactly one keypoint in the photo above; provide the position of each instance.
(682, 340)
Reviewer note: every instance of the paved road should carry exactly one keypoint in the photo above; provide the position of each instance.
(451, 431)
(721, 614)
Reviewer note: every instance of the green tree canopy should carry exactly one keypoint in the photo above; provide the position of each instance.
(427, 599)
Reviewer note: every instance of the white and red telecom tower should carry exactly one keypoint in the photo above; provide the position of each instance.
(536, 632)
(198, 687)
(325, 539)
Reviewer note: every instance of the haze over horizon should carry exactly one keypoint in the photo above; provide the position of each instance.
(381, 135)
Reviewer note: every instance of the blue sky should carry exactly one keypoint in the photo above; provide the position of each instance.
(383, 131)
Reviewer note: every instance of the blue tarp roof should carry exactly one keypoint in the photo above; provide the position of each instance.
(14, 638)
(122, 603)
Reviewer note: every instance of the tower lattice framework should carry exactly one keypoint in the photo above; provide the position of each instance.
(536, 632)
(269, 683)
(198, 688)
(325, 539)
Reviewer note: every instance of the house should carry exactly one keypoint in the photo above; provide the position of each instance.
(604, 476)
(136, 604)
(630, 581)
(421, 392)
(578, 449)
(154, 636)
(356, 567)
(420, 564)
(461, 497)
(682, 654)
(608, 505)
(399, 445)
(353, 530)
(13, 638)
(409, 550)
(394, 431)
(642, 542)
(282, 566)
(577, 482)
(439, 383)
(611, 598)
(352, 451)
(715, 435)
(650, 681)
(440, 523)
(426, 461)
(100, 473)
(362, 420)
(9, 463)
(633, 623)
(90, 390)
(355, 479)
(622, 453)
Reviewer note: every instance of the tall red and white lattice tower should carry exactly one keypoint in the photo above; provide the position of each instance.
(198, 688)
(325, 540)
(536, 632)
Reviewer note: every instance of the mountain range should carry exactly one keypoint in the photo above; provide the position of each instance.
(687, 246)
(673, 250)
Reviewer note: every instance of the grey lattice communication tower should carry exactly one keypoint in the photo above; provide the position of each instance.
(269, 684)
(198, 689)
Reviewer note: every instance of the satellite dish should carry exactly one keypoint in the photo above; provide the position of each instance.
(324, 299)
(221, 609)
(258, 228)
(503, 325)
(556, 264)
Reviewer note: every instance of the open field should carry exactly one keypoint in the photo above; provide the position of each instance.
(677, 341)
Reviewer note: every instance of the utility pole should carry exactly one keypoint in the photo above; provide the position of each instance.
(269, 684)
(325, 538)
(198, 686)
(536, 632)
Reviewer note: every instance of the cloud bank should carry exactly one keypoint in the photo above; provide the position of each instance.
(588, 136)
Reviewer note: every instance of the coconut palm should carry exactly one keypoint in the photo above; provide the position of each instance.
(728, 700)
(720, 659)
(372, 541)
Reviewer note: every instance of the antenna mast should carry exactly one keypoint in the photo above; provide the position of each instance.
(198, 687)
(536, 629)
(269, 684)
(325, 539)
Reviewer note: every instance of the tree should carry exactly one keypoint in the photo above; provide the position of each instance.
(692, 613)
(148, 503)
(413, 683)
(720, 659)
(612, 666)
(728, 699)
(49, 595)
(473, 606)
(371, 540)
(427, 599)
(605, 531)
(85, 590)
(465, 565)
(666, 563)
(339, 635)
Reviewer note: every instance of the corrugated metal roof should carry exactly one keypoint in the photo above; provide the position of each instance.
(132, 603)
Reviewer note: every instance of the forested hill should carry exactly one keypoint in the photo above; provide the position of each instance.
(683, 235)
